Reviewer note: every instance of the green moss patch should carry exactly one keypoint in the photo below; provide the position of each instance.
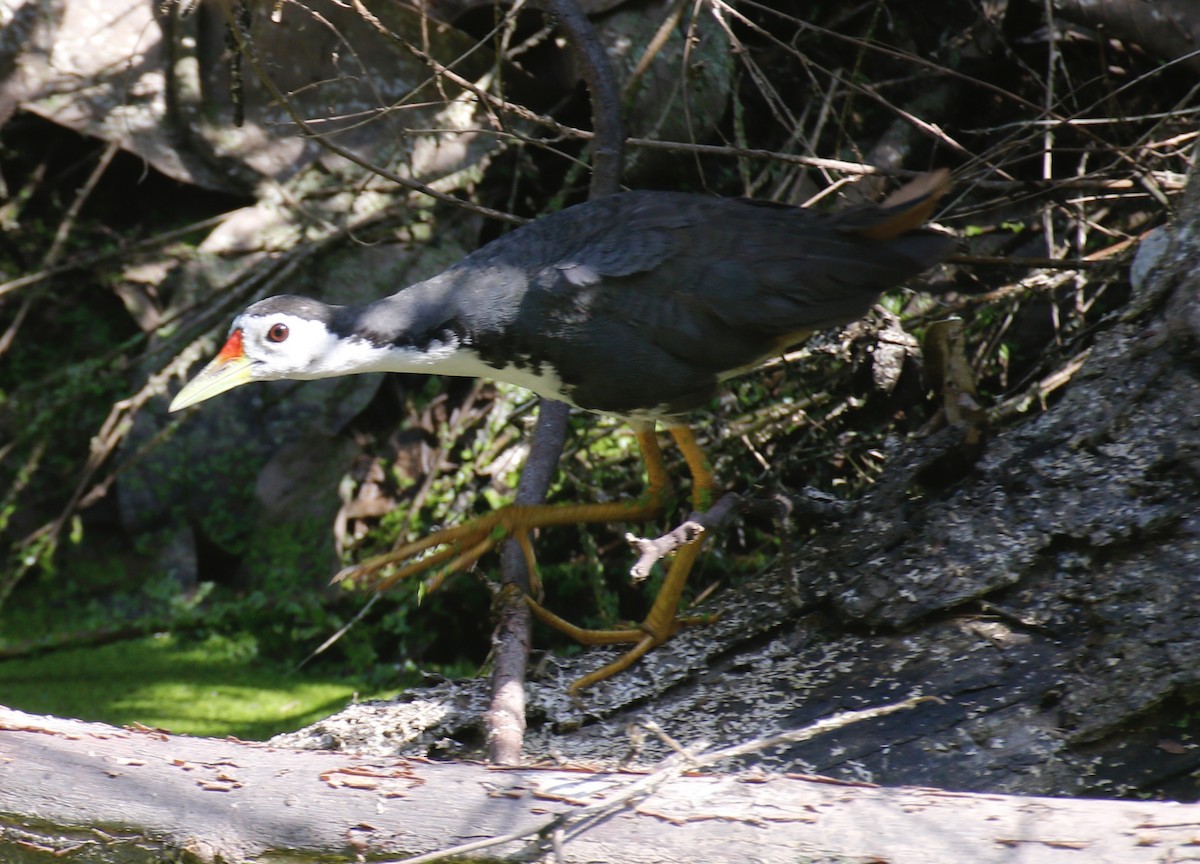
(215, 686)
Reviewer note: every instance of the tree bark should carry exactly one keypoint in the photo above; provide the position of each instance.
(90, 792)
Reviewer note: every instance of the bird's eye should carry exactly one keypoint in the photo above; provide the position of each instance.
(277, 333)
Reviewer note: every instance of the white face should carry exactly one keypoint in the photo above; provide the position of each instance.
(286, 346)
(280, 345)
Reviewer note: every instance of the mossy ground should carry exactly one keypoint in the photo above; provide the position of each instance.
(97, 643)
(217, 685)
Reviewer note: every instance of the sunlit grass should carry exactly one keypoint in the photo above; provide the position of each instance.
(213, 687)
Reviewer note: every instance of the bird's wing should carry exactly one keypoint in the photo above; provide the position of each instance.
(643, 294)
(721, 283)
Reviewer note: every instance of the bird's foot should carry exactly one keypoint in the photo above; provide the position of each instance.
(443, 553)
(458, 547)
(660, 624)
(645, 639)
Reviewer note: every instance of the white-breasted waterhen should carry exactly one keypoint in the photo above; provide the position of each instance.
(637, 305)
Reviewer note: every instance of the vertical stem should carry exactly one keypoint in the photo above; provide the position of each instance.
(505, 718)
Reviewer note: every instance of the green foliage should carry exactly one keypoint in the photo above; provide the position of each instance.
(214, 685)
(210, 660)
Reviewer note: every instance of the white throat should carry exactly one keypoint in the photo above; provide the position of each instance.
(353, 355)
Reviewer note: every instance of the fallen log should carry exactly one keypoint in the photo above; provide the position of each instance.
(91, 792)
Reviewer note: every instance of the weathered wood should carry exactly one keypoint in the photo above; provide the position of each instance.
(91, 792)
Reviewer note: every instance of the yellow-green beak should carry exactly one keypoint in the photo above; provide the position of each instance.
(229, 369)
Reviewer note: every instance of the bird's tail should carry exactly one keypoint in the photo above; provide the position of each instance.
(906, 209)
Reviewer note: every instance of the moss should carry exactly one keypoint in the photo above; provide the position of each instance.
(215, 686)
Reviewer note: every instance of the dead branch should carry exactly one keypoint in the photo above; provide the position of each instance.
(97, 792)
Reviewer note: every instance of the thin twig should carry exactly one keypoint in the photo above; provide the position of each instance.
(653, 549)
(89, 262)
(246, 48)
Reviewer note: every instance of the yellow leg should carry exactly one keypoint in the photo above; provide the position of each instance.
(659, 626)
(703, 482)
(465, 544)
(662, 621)
(459, 547)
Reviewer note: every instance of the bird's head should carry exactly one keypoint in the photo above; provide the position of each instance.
(280, 337)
